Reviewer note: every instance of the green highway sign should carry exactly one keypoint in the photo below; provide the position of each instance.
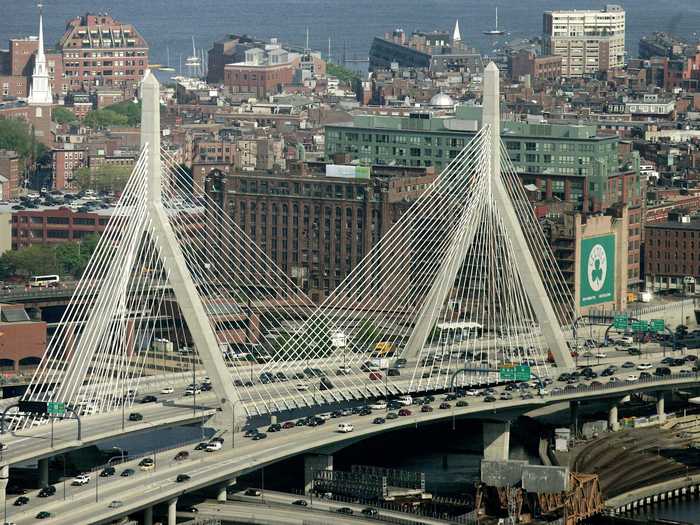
(56, 409)
(620, 322)
(640, 326)
(658, 325)
(515, 373)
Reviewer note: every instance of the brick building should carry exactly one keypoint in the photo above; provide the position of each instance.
(10, 173)
(64, 161)
(526, 62)
(672, 254)
(54, 225)
(99, 51)
(263, 72)
(315, 226)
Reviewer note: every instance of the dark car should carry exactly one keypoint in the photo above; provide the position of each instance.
(344, 510)
(392, 415)
(237, 382)
(300, 422)
(369, 511)
(259, 436)
(48, 490)
(445, 405)
(183, 454)
(378, 420)
(275, 427)
(644, 375)
(43, 515)
(22, 500)
(248, 433)
(149, 399)
(107, 471)
(463, 403)
(206, 387)
(404, 412)
(628, 364)
(691, 357)
(429, 399)
(253, 492)
(426, 408)
(489, 399)
(181, 478)
(203, 444)
(288, 424)
(678, 362)
(365, 411)
(280, 376)
(301, 502)
(662, 371)
(127, 472)
(393, 372)
(667, 360)
(135, 416)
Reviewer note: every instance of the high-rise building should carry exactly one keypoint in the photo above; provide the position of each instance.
(588, 41)
(99, 51)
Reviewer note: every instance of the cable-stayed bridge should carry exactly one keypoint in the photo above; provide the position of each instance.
(462, 285)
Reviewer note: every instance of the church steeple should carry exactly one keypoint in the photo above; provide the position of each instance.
(40, 91)
(456, 35)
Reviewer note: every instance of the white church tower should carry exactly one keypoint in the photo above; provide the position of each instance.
(40, 91)
(456, 35)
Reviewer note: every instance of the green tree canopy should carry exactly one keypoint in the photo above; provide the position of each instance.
(17, 135)
(69, 258)
(105, 118)
(102, 178)
(130, 109)
(63, 115)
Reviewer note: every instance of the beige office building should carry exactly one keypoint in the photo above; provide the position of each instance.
(587, 41)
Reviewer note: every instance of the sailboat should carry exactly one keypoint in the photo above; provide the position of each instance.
(495, 31)
(193, 63)
(168, 68)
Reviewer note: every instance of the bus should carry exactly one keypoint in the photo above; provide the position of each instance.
(384, 349)
(43, 281)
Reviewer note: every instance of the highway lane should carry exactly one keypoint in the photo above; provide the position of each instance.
(275, 514)
(36, 442)
(324, 504)
(206, 469)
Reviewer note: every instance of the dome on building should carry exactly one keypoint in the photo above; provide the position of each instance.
(442, 100)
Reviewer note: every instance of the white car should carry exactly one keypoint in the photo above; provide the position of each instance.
(167, 390)
(302, 387)
(81, 479)
(344, 370)
(345, 427)
(213, 446)
(632, 378)
(378, 405)
(473, 392)
(192, 391)
(644, 366)
(325, 416)
(600, 355)
(405, 401)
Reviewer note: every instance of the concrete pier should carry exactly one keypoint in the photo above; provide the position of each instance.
(312, 463)
(496, 440)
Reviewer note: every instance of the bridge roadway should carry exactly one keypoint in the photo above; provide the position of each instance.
(175, 410)
(145, 489)
(276, 507)
(172, 410)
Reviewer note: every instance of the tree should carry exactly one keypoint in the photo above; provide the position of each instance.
(16, 135)
(102, 178)
(367, 335)
(69, 258)
(105, 118)
(130, 109)
(63, 116)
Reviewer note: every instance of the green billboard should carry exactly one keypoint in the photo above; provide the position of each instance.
(597, 270)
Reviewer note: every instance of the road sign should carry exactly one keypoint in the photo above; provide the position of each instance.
(56, 409)
(620, 322)
(658, 325)
(339, 339)
(514, 373)
(640, 326)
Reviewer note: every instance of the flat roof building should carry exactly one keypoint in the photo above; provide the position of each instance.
(588, 41)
